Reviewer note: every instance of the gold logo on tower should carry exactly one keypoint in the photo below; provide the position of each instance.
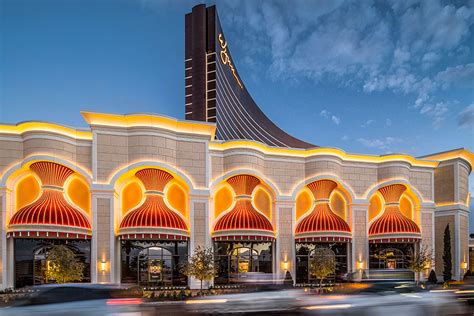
(225, 59)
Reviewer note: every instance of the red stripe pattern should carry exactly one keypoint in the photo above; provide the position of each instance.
(243, 184)
(51, 208)
(51, 173)
(146, 236)
(153, 212)
(154, 179)
(392, 220)
(243, 216)
(322, 219)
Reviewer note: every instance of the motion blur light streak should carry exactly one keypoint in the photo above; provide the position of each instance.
(211, 301)
(335, 306)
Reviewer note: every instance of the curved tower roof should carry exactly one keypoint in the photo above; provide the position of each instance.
(214, 91)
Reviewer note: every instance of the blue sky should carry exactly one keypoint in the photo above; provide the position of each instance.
(365, 76)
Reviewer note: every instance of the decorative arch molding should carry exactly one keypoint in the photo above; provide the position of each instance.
(216, 184)
(7, 181)
(159, 165)
(348, 192)
(412, 189)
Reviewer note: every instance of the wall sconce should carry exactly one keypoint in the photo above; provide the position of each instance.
(360, 265)
(103, 266)
(285, 265)
(464, 265)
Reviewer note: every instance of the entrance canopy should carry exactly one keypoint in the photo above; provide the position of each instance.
(51, 215)
(243, 221)
(392, 225)
(153, 219)
(322, 224)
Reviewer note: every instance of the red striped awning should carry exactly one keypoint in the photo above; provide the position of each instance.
(153, 237)
(323, 239)
(243, 218)
(153, 214)
(243, 238)
(51, 212)
(47, 234)
(322, 222)
(392, 221)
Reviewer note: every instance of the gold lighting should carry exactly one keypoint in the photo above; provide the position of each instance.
(103, 266)
(149, 120)
(225, 59)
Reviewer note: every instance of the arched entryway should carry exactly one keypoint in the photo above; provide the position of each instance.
(322, 227)
(393, 237)
(49, 219)
(153, 236)
(243, 236)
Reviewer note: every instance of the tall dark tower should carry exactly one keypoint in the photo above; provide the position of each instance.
(214, 91)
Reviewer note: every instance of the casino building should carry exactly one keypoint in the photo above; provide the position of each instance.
(133, 195)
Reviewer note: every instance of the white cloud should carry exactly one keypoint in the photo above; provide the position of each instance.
(345, 138)
(328, 115)
(466, 117)
(368, 123)
(325, 113)
(383, 144)
(458, 74)
(396, 46)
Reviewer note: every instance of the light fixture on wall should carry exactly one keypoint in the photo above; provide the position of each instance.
(360, 265)
(464, 265)
(285, 265)
(103, 266)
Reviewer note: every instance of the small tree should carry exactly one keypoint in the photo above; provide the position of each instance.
(419, 260)
(63, 266)
(432, 277)
(447, 261)
(201, 265)
(322, 264)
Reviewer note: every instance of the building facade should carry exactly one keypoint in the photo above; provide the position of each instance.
(134, 195)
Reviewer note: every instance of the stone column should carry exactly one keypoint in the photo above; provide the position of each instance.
(427, 233)
(199, 231)
(360, 241)
(456, 215)
(103, 262)
(285, 240)
(3, 240)
(6, 244)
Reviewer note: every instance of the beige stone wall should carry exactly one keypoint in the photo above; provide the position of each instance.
(2, 236)
(444, 184)
(117, 151)
(191, 157)
(427, 225)
(389, 171)
(200, 219)
(440, 225)
(360, 245)
(10, 152)
(464, 239)
(38, 143)
(112, 153)
(103, 232)
(359, 179)
(285, 240)
(463, 182)
(285, 175)
(423, 182)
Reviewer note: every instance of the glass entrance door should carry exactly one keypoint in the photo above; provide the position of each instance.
(155, 267)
